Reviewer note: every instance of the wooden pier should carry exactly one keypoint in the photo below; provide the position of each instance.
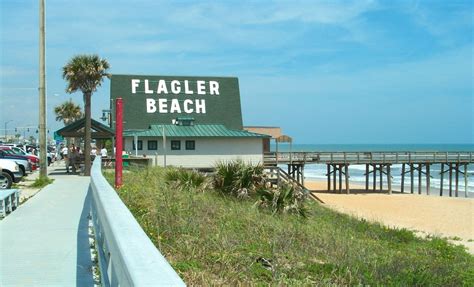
(378, 164)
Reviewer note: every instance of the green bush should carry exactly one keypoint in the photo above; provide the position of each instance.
(237, 178)
(285, 199)
(185, 179)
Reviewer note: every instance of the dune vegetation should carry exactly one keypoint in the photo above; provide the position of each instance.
(231, 229)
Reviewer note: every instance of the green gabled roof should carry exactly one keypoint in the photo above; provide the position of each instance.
(192, 131)
(76, 129)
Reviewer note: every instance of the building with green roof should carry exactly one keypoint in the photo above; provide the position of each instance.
(193, 122)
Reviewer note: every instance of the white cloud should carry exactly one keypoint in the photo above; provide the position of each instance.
(12, 71)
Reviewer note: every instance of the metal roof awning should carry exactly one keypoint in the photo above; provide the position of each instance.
(284, 139)
(192, 131)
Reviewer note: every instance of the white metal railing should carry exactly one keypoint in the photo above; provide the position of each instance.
(127, 257)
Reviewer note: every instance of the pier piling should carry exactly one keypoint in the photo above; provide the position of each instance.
(465, 180)
(389, 180)
(450, 180)
(346, 173)
(428, 179)
(441, 180)
(329, 176)
(381, 176)
(402, 187)
(340, 178)
(374, 168)
(456, 190)
(419, 178)
(366, 177)
(411, 178)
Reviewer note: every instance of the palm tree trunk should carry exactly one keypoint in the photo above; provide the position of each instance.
(87, 139)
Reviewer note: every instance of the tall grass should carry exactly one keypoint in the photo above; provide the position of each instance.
(214, 239)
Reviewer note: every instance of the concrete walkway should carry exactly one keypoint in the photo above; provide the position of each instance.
(45, 241)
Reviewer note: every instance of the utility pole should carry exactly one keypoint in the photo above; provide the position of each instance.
(164, 145)
(42, 93)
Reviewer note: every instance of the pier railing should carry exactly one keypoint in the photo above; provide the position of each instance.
(367, 157)
(127, 257)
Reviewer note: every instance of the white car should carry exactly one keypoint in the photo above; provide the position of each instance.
(10, 173)
(23, 162)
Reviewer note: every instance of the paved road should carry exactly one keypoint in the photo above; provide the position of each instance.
(45, 241)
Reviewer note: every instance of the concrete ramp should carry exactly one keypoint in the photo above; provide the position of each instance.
(45, 241)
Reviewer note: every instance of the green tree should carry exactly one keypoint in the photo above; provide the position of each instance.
(85, 73)
(68, 112)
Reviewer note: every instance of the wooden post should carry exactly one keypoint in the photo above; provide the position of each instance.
(389, 179)
(381, 176)
(456, 191)
(276, 152)
(374, 166)
(411, 178)
(441, 180)
(346, 171)
(403, 179)
(366, 177)
(296, 172)
(419, 178)
(340, 178)
(334, 177)
(465, 180)
(302, 174)
(450, 179)
(428, 179)
(329, 176)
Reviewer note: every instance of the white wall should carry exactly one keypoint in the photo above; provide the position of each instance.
(207, 151)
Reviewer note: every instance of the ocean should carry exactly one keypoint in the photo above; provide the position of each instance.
(317, 172)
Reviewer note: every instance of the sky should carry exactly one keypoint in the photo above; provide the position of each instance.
(326, 72)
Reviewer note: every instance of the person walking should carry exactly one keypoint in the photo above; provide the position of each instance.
(64, 155)
(73, 157)
(103, 152)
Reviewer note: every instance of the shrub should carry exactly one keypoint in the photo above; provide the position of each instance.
(185, 179)
(285, 199)
(238, 178)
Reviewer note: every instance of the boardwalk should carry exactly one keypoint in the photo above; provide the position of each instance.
(378, 166)
(45, 241)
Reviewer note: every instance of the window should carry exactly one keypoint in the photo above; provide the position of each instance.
(190, 145)
(152, 145)
(175, 145)
(139, 144)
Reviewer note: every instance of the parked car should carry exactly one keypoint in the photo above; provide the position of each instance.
(17, 151)
(23, 162)
(34, 150)
(10, 173)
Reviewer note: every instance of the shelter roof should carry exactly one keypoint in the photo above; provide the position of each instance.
(76, 129)
(274, 132)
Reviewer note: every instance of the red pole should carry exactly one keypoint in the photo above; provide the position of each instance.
(118, 142)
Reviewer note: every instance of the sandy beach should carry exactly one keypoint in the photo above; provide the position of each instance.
(442, 216)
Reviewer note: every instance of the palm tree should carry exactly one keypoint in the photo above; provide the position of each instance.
(68, 112)
(86, 73)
